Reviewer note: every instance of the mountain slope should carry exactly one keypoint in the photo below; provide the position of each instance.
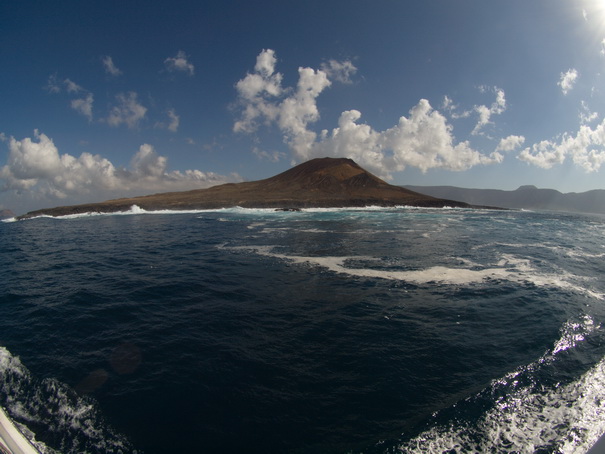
(323, 182)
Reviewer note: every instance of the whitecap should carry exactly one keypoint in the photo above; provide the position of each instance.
(133, 210)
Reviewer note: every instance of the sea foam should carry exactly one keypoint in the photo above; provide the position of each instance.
(529, 417)
(508, 267)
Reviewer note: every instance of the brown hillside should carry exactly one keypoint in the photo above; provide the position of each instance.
(323, 182)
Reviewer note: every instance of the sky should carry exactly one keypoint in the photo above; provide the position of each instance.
(108, 99)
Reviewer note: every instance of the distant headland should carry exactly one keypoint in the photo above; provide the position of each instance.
(5, 214)
(525, 197)
(318, 183)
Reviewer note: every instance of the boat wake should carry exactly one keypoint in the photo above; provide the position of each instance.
(52, 416)
(533, 409)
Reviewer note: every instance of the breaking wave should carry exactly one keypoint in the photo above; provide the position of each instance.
(135, 209)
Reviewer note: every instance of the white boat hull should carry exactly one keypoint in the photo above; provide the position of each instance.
(12, 441)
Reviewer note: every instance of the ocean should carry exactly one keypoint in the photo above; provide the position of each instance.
(400, 330)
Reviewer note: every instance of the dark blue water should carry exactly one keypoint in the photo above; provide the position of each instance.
(323, 331)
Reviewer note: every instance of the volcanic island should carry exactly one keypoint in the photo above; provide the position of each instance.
(318, 183)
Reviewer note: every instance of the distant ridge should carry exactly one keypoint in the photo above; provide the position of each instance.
(322, 182)
(526, 197)
(5, 214)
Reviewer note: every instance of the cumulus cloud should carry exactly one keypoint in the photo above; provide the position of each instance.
(83, 105)
(179, 63)
(147, 163)
(258, 93)
(110, 67)
(568, 80)
(300, 109)
(510, 143)
(128, 111)
(424, 139)
(543, 154)
(36, 169)
(586, 149)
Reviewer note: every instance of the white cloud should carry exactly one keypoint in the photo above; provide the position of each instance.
(273, 156)
(257, 92)
(81, 105)
(174, 121)
(297, 111)
(84, 105)
(53, 85)
(32, 160)
(603, 47)
(485, 113)
(543, 154)
(72, 87)
(510, 143)
(265, 62)
(110, 67)
(179, 63)
(448, 104)
(586, 116)
(35, 169)
(128, 111)
(424, 139)
(586, 149)
(340, 71)
(173, 124)
(568, 80)
(147, 163)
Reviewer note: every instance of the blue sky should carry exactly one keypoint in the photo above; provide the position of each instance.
(119, 98)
